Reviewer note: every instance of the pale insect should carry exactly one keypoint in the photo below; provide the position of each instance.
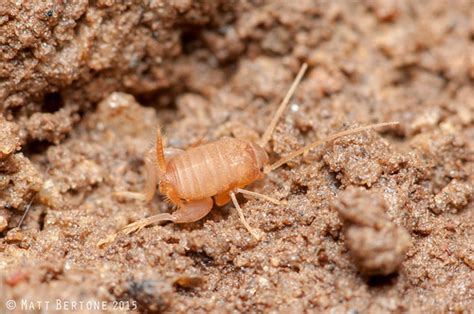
(196, 178)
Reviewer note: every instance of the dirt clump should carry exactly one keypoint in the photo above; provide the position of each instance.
(377, 245)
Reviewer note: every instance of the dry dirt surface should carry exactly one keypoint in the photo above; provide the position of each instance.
(377, 222)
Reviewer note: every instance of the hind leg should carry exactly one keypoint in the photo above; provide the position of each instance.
(187, 212)
(155, 166)
(152, 173)
(193, 210)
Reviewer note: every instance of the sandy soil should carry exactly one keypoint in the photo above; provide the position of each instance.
(376, 222)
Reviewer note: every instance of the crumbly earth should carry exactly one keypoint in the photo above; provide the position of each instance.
(83, 87)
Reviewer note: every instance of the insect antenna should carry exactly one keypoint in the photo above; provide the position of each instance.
(314, 144)
(271, 127)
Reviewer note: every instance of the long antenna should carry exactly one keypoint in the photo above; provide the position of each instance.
(268, 132)
(314, 144)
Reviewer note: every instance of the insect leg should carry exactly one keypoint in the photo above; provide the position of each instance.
(136, 226)
(152, 174)
(188, 212)
(193, 210)
(255, 232)
(261, 196)
(142, 223)
(222, 199)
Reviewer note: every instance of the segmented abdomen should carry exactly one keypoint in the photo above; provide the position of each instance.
(212, 168)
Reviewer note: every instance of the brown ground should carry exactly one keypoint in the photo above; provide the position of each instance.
(375, 222)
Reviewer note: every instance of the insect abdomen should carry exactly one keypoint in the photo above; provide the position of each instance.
(213, 168)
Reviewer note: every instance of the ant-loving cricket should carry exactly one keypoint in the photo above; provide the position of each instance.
(196, 178)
